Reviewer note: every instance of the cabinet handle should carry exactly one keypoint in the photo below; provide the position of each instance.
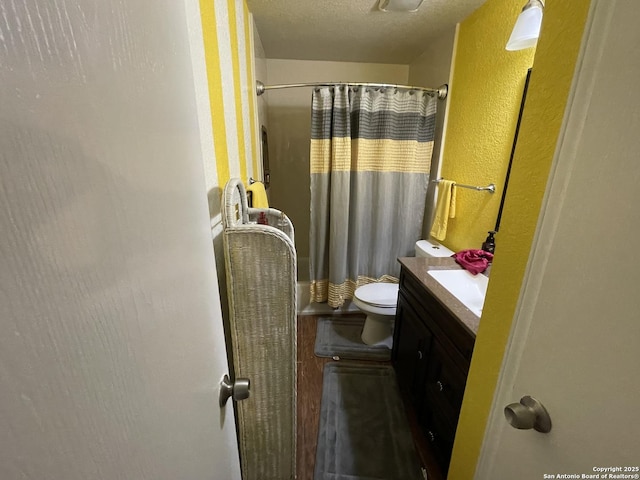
(432, 436)
(419, 355)
(440, 385)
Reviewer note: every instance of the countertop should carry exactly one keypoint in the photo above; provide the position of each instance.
(418, 268)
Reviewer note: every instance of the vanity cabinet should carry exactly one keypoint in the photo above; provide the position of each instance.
(413, 347)
(431, 355)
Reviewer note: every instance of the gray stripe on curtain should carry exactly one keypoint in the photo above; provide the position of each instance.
(383, 124)
(378, 227)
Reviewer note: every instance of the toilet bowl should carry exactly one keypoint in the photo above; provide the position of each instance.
(378, 300)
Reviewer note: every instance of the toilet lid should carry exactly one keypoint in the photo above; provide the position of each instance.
(378, 294)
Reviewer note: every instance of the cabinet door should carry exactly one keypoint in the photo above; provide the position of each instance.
(439, 433)
(412, 346)
(442, 397)
(445, 382)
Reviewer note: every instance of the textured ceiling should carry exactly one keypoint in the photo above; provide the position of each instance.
(352, 30)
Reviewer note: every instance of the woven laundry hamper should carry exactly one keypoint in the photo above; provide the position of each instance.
(260, 262)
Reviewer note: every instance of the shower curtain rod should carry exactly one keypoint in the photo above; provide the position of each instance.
(442, 90)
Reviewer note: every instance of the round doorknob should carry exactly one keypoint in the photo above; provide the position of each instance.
(238, 390)
(527, 414)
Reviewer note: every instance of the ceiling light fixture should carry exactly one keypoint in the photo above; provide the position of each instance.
(527, 28)
(399, 5)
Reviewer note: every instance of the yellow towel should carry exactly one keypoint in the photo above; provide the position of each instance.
(445, 208)
(258, 195)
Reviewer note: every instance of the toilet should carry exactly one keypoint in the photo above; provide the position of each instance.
(378, 300)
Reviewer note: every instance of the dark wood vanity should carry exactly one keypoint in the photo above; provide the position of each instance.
(433, 342)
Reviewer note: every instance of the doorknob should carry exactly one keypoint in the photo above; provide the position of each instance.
(239, 389)
(529, 413)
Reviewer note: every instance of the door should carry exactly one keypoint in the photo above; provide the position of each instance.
(574, 346)
(111, 339)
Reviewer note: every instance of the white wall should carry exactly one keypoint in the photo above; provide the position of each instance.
(261, 75)
(290, 124)
(432, 69)
(108, 311)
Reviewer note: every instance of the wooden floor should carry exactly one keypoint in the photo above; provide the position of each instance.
(309, 394)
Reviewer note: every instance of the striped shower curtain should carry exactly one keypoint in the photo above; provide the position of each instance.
(370, 159)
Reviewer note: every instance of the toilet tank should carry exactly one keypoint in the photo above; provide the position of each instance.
(431, 248)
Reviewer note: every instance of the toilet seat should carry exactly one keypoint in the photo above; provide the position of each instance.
(380, 295)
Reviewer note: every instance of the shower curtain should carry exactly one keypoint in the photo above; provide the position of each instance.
(370, 158)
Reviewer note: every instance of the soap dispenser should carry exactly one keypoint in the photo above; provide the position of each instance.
(489, 244)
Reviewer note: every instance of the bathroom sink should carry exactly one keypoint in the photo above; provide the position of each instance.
(469, 289)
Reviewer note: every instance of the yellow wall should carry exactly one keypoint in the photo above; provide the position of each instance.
(551, 79)
(227, 28)
(486, 91)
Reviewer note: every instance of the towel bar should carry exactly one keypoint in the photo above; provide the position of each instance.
(491, 188)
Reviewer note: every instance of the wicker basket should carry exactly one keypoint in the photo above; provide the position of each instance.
(260, 261)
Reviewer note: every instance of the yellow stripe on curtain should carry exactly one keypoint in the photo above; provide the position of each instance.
(336, 295)
(330, 154)
(320, 156)
(378, 155)
(384, 155)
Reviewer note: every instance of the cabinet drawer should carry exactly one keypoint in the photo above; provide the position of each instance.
(413, 290)
(445, 382)
(459, 336)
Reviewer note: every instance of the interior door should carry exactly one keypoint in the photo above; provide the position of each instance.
(111, 338)
(575, 342)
